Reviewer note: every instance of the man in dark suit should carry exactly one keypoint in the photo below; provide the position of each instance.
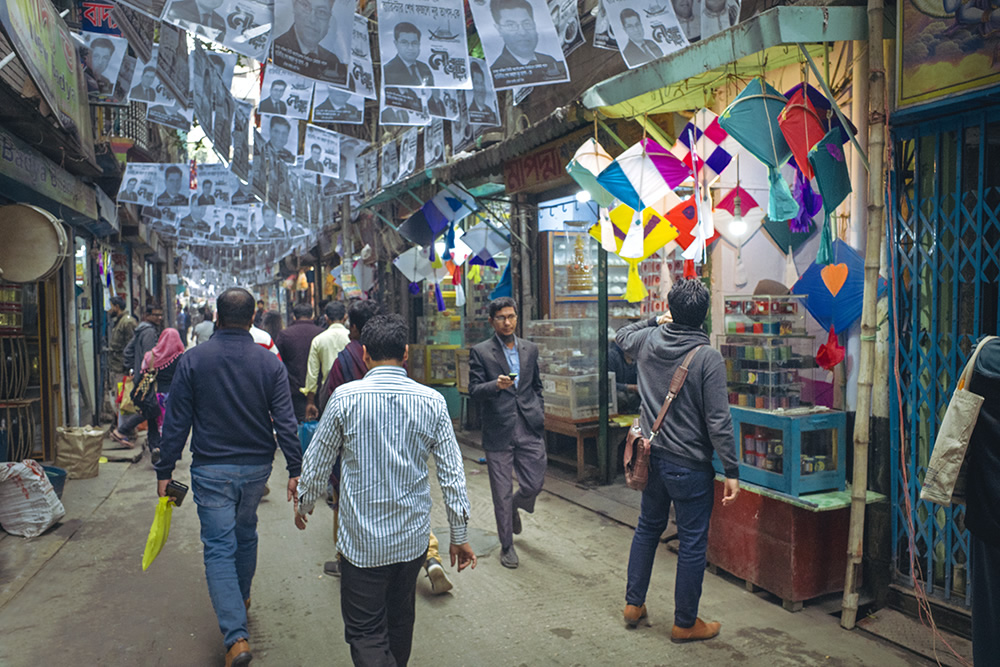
(129, 193)
(405, 69)
(277, 138)
(200, 13)
(519, 62)
(315, 161)
(171, 195)
(229, 228)
(480, 111)
(206, 198)
(195, 220)
(102, 50)
(273, 103)
(299, 49)
(639, 50)
(336, 108)
(504, 379)
(146, 90)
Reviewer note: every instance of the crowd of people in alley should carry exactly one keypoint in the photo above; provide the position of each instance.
(237, 385)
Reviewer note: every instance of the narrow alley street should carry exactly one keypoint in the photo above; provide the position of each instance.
(86, 601)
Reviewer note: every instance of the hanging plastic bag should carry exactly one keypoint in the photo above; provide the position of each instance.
(126, 406)
(28, 503)
(158, 532)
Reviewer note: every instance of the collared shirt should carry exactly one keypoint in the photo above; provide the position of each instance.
(513, 358)
(384, 426)
(323, 352)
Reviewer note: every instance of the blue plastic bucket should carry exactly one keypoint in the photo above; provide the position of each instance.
(57, 477)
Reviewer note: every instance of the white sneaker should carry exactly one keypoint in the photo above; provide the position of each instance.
(439, 580)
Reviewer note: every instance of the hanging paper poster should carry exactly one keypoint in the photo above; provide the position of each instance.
(222, 123)
(443, 103)
(173, 185)
(336, 105)
(270, 224)
(313, 38)
(645, 29)
(362, 72)
(172, 62)
(322, 151)
(203, 87)
(281, 136)
(102, 57)
(423, 44)
(566, 18)
(350, 149)
(241, 139)
(603, 39)
(258, 167)
(402, 106)
(434, 143)
(151, 8)
(461, 130)
(520, 42)
(196, 224)
(139, 183)
(285, 93)
(483, 100)
(717, 15)
(215, 184)
(136, 27)
(407, 153)
(242, 25)
(243, 195)
(145, 87)
(171, 113)
(390, 163)
(688, 13)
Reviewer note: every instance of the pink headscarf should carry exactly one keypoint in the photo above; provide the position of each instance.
(167, 348)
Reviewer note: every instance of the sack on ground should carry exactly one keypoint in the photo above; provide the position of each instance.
(78, 450)
(28, 503)
(158, 532)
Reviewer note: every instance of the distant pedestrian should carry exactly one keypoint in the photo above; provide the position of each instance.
(184, 323)
(504, 379)
(235, 397)
(982, 511)
(680, 465)
(162, 359)
(272, 323)
(204, 329)
(143, 340)
(123, 328)
(386, 426)
(264, 339)
(258, 316)
(323, 352)
(293, 344)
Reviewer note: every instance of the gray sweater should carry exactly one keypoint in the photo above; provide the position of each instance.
(699, 421)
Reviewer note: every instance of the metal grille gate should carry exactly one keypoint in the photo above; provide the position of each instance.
(945, 234)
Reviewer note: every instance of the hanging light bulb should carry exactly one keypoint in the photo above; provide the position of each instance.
(583, 196)
(737, 226)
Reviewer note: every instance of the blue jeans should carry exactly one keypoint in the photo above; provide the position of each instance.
(692, 494)
(227, 497)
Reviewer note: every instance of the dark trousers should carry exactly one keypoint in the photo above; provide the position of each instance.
(985, 603)
(377, 604)
(528, 459)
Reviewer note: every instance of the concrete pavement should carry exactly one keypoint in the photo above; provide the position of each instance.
(80, 597)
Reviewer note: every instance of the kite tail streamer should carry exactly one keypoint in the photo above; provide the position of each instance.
(791, 273)
(689, 272)
(666, 279)
(439, 297)
(632, 245)
(825, 254)
(635, 291)
(781, 205)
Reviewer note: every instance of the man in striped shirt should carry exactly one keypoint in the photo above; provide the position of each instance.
(385, 426)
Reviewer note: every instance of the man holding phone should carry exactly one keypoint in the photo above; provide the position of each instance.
(503, 377)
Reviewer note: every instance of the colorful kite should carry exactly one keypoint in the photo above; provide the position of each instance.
(588, 162)
(830, 164)
(802, 128)
(708, 159)
(656, 233)
(835, 290)
(644, 175)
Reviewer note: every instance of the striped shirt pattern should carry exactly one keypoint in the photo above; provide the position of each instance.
(385, 426)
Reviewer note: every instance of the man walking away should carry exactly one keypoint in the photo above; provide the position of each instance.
(385, 426)
(143, 340)
(323, 352)
(184, 324)
(503, 377)
(293, 345)
(235, 396)
(680, 465)
(982, 511)
(204, 329)
(123, 328)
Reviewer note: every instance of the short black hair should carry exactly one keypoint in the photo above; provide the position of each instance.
(316, 146)
(404, 26)
(118, 301)
(205, 311)
(206, 182)
(235, 308)
(689, 301)
(150, 307)
(496, 6)
(496, 305)
(384, 337)
(102, 43)
(361, 311)
(279, 82)
(335, 311)
(279, 120)
(172, 169)
(302, 309)
(629, 13)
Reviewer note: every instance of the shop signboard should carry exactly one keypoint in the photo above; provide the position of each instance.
(96, 16)
(44, 44)
(23, 164)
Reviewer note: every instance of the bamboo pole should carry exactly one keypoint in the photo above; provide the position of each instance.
(869, 324)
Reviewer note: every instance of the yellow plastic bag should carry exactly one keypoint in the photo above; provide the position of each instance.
(158, 531)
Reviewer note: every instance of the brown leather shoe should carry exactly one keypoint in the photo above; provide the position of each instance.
(634, 614)
(246, 603)
(697, 632)
(239, 654)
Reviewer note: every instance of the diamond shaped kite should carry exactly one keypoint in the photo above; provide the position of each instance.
(708, 159)
(655, 233)
(643, 175)
(588, 162)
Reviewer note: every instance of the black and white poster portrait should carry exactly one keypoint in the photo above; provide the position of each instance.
(313, 38)
(222, 124)
(280, 135)
(336, 105)
(407, 153)
(423, 44)
(173, 186)
(197, 223)
(241, 139)
(566, 18)
(171, 113)
(145, 87)
(362, 72)
(215, 184)
(102, 57)
(442, 102)
(434, 143)
(520, 42)
(205, 84)
(603, 39)
(390, 163)
(139, 184)
(461, 130)
(242, 25)
(123, 84)
(269, 224)
(322, 151)
(645, 29)
(243, 195)
(402, 106)
(482, 98)
(285, 93)
(172, 63)
(258, 167)
(717, 15)
(688, 13)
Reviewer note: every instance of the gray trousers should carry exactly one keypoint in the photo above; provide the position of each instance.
(527, 458)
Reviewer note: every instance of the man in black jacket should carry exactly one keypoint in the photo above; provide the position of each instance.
(680, 465)
(503, 377)
(982, 511)
(293, 344)
(235, 395)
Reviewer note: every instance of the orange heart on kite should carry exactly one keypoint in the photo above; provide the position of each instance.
(834, 276)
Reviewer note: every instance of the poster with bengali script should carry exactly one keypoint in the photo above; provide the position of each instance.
(390, 163)
(482, 99)
(566, 18)
(336, 105)
(170, 113)
(434, 143)
(241, 25)
(402, 106)
(603, 39)
(322, 151)
(362, 71)
(442, 102)
(520, 43)
(241, 139)
(423, 43)
(461, 129)
(281, 135)
(408, 153)
(139, 183)
(286, 93)
(172, 67)
(644, 29)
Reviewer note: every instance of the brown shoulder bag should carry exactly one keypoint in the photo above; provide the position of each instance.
(636, 446)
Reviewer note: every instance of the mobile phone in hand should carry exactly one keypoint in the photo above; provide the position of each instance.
(512, 375)
(177, 491)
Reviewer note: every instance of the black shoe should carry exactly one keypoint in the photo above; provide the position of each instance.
(155, 455)
(332, 568)
(516, 522)
(508, 558)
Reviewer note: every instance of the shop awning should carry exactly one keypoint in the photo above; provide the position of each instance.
(686, 79)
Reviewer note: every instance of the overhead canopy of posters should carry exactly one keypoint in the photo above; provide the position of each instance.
(519, 38)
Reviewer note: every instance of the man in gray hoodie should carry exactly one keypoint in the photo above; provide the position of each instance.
(680, 466)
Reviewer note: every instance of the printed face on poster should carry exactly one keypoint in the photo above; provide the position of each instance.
(423, 44)
(603, 39)
(362, 72)
(243, 195)
(461, 130)
(483, 99)
(269, 224)
(407, 153)
(198, 220)
(336, 105)
(402, 106)
(443, 103)
(390, 163)
(145, 86)
(313, 38)
(322, 151)
(241, 25)
(280, 135)
(717, 15)
(350, 149)
(434, 143)
(241, 139)
(139, 184)
(102, 57)
(215, 184)
(285, 93)
(520, 42)
(688, 13)
(645, 29)
(173, 185)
